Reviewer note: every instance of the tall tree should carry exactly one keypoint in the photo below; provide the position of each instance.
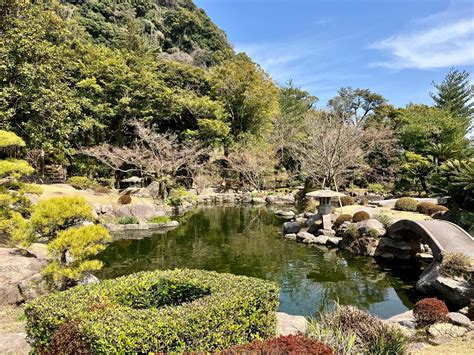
(248, 94)
(456, 94)
(355, 105)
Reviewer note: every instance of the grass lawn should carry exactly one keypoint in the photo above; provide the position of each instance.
(57, 190)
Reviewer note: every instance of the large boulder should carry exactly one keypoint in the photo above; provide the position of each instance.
(455, 291)
(290, 325)
(291, 227)
(16, 270)
(364, 227)
(154, 190)
(285, 214)
(142, 212)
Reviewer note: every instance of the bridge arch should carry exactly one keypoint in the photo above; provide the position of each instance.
(441, 236)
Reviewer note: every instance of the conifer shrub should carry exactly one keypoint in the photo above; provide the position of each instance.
(125, 199)
(360, 216)
(58, 213)
(342, 218)
(347, 201)
(311, 205)
(290, 344)
(160, 311)
(429, 311)
(425, 208)
(406, 204)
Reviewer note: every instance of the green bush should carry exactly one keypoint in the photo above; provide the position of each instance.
(342, 218)
(127, 220)
(160, 311)
(82, 182)
(386, 220)
(406, 204)
(376, 188)
(57, 213)
(352, 231)
(360, 216)
(364, 201)
(160, 219)
(347, 201)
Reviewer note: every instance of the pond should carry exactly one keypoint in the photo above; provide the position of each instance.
(245, 240)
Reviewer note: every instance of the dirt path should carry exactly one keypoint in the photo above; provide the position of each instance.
(12, 331)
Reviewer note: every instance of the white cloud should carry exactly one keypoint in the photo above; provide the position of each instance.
(437, 45)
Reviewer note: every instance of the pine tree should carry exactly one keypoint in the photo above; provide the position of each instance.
(456, 94)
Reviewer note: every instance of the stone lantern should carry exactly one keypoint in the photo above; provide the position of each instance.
(324, 197)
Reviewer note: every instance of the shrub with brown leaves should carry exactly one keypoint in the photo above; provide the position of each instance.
(290, 344)
(429, 311)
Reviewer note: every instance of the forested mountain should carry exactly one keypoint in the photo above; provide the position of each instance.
(75, 74)
(176, 27)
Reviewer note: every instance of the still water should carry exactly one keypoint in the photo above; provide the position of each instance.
(248, 241)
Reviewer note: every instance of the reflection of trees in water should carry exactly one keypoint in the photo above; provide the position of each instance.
(248, 241)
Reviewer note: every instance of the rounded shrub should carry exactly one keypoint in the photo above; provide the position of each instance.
(289, 344)
(347, 201)
(438, 208)
(159, 312)
(364, 201)
(360, 216)
(425, 207)
(455, 264)
(342, 218)
(406, 204)
(102, 190)
(125, 200)
(429, 311)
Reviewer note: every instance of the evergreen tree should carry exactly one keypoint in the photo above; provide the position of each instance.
(456, 94)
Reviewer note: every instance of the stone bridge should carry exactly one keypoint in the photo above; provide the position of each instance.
(441, 236)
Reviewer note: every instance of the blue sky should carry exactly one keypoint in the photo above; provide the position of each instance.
(393, 47)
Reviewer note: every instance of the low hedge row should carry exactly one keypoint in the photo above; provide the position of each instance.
(160, 311)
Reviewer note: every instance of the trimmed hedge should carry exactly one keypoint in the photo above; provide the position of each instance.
(360, 216)
(406, 204)
(160, 311)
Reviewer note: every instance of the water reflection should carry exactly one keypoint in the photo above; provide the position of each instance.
(248, 241)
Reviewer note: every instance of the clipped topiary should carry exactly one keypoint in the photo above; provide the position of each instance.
(406, 204)
(159, 312)
(125, 200)
(102, 190)
(289, 344)
(342, 218)
(425, 207)
(347, 201)
(360, 216)
(438, 208)
(429, 311)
